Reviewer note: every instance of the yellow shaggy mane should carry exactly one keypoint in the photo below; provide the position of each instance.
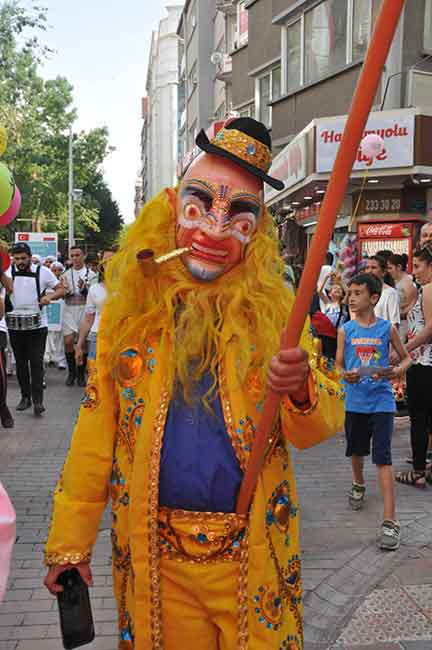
(250, 303)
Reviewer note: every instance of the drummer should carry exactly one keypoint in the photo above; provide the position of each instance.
(29, 284)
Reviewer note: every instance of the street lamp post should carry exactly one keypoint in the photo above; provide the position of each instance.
(71, 234)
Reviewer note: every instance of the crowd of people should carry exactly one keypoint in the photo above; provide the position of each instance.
(28, 286)
(378, 330)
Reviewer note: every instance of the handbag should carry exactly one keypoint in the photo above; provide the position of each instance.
(7, 537)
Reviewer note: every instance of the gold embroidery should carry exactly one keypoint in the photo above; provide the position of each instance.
(154, 569)
(200, 537)
(130, 367)
(66, 558)
(243, 609)
(245, 147)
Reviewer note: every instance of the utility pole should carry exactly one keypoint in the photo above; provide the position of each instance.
(71, 234)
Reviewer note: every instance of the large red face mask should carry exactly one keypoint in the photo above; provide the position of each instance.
(218, 209)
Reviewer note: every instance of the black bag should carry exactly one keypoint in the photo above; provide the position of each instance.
(76, 620)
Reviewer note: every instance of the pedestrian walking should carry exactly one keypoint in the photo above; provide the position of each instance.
(54, 351)
(388, 305)
(404, 285)
(5, 415)
(335, 311)
(89, 327)
(419, 376)
(28, 325)
(363, 356)
(77, 281)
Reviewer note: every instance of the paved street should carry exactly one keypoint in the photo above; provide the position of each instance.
(356, 597)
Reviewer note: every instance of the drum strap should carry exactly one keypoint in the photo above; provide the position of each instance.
(29, 274)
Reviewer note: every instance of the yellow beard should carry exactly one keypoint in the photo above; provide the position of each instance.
(250, 303)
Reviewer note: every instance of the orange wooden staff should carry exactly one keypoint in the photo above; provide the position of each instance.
(361, 105)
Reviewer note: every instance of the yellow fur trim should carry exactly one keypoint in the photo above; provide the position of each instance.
(249, 305)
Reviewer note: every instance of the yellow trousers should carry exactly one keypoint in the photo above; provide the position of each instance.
(199, 605)
(200, 572)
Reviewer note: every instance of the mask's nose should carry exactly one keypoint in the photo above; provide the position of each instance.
(216, 224)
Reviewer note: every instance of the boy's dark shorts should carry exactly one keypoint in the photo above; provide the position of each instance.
(361, 427)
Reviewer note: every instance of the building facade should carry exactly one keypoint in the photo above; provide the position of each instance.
(297, 69)
(206, 32)
(159, 136)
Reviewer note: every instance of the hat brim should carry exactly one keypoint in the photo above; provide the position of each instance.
(204, 144)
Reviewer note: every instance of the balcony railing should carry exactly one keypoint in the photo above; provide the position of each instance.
(224, 69)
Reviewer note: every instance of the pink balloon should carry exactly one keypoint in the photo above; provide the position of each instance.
(372, 145)
(12, 210)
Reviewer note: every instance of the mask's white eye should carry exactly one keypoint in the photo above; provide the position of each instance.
(193, 212)
(244, 227)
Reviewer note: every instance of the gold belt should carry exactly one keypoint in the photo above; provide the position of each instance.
(200, 537)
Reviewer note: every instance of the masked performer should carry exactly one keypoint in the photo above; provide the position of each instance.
(185, 355)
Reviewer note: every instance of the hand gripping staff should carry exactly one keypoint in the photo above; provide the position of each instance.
(361, 105)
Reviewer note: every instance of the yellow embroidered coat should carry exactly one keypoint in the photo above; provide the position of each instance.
(115, 452)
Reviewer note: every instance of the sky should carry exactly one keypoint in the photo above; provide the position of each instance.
(102, 48)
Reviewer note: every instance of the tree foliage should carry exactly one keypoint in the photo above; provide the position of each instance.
(37, 113)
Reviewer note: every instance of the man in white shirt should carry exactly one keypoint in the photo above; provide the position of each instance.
(425, 234)
(95, 300)
(388, 306)
(29, 284)
(6, 284)
(77, 281)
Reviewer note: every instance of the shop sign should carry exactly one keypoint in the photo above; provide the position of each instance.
(395, 127)
(289, 166)
(383, 230)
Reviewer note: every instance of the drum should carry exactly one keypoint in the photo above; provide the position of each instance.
(23, 320)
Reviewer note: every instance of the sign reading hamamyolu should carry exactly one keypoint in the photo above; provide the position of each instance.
(396, 128)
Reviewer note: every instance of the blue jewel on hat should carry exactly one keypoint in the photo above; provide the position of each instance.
(251, 149)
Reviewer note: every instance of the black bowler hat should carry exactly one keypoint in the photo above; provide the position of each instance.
(247, 143)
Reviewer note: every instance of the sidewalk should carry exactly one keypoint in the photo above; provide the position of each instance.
(356, 597)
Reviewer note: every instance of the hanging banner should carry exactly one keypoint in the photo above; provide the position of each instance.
(41, 243)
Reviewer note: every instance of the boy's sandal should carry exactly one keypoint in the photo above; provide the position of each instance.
(416, 479)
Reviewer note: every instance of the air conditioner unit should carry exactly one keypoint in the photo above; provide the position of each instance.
(216, 58)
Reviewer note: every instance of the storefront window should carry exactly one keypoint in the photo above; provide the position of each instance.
(293, 56)
(362, 16)
(325, 39)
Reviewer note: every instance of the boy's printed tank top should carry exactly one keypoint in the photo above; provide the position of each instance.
(416, 323)
(368, 346)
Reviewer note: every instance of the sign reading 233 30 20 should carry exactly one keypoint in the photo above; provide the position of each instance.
(395, 127)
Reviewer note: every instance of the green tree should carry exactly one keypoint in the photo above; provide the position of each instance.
(37, 113)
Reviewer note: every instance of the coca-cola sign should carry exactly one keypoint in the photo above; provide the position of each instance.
(383, 230)
(396, 128)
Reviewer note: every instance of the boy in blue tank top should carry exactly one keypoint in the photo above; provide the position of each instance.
(363, 357)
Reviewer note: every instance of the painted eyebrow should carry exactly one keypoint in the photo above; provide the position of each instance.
(246, 205)
(199, 190)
